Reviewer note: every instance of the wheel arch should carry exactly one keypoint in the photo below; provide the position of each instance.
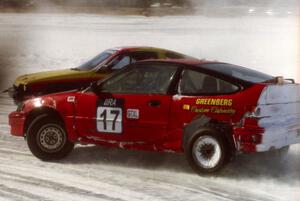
(39, 113)
(202, 123)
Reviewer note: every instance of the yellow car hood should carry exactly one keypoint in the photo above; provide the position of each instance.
(46, 76)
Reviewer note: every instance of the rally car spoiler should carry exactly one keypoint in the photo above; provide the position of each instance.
(282, 80)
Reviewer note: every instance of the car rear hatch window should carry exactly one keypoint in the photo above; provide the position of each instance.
(238, 72)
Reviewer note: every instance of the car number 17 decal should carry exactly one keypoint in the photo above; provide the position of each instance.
(109, 116)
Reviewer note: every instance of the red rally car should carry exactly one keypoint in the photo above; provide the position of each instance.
(207, 110)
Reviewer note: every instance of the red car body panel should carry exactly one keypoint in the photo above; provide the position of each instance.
(17, 120)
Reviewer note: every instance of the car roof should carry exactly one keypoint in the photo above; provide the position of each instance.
(193, 62)
(140, 48)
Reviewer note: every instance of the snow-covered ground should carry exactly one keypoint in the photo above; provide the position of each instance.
(37, 42)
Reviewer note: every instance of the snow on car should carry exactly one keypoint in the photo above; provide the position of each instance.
(207, 110)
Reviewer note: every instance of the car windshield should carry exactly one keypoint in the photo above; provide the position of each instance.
(89, 65)
(238, 72)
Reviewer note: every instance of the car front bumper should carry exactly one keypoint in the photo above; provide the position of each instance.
(17, 122)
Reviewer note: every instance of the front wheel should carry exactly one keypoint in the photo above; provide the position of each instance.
(206, 151)
(48, 140)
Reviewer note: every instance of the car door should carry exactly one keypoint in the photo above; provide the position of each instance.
(131, 106)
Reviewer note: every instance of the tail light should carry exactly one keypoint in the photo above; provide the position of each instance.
(251, 138)
(251, 117)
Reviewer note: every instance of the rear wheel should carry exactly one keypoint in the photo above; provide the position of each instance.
(48, 140)
(207, 151)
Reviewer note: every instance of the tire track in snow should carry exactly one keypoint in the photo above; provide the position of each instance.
(4, 196)
(27, 180)
(21, 194)
(163, 190)
(71, 183)
(155, 189)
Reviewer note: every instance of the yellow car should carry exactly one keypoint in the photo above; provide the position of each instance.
(36, 84)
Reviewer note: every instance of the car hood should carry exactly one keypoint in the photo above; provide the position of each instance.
(51, 76)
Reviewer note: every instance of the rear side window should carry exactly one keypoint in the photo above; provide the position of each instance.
(194, 82)
(238, 72)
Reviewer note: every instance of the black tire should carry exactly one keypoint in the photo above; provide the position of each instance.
(47, 139)
(205, 146)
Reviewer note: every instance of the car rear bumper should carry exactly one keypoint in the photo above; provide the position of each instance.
(16, 122)
(247, 138)
(278, 138)
(256, 139)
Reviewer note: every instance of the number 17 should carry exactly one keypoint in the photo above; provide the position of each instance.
(109, 119)
(104, 115)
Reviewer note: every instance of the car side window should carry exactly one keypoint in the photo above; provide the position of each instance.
(149, 79)
(120, 62)
(194, 82)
